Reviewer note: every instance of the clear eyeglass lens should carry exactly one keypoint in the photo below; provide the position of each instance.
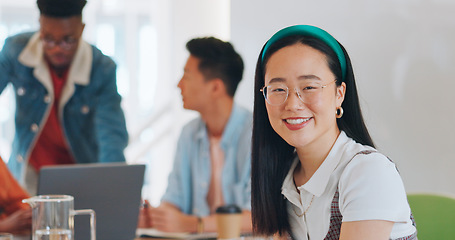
(277, 94)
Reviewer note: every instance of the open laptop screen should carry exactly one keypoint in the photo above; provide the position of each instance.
(113, 190)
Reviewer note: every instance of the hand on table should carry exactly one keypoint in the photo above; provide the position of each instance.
(145, 214)
(166, 218)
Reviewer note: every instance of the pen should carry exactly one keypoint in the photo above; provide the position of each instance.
(145, 204)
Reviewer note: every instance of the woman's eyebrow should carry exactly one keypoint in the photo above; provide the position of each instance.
(303, 77)
(309, 77)
(277, 80)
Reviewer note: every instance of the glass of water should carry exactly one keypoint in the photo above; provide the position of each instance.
(53, 234)
(53, 217)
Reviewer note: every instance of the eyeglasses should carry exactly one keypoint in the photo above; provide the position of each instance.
(308, 92)
(66, 43)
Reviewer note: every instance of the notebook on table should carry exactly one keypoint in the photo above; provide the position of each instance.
(153, 233)
(113, 190)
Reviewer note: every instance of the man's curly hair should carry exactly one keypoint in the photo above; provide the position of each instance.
(61, 8)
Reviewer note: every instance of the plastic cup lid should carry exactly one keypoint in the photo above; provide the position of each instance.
(229, 209)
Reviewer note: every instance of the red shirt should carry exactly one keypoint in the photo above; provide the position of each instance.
(51, 147)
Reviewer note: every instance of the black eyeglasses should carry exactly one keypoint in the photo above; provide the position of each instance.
(66, 43)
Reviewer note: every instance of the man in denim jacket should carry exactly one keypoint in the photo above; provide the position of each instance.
(67, 104)
(212, 162)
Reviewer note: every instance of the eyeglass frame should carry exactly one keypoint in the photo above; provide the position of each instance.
(65, 44)
(288, 92)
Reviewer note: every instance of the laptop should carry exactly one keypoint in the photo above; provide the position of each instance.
(113, 190)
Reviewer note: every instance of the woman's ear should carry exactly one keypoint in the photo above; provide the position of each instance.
(341, 90)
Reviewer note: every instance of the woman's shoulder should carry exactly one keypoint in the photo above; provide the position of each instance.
(364, 164)
(370, 187)
(363, 160)
(354, 151)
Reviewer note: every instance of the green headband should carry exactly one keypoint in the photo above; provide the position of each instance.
(307, 30)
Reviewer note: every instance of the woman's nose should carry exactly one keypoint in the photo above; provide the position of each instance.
(294, 101)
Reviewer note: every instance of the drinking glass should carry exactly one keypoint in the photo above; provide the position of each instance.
(53, 217)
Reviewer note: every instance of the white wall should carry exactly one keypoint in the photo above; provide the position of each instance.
(403, 54)
(191, 19)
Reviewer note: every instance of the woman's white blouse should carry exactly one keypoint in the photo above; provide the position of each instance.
(369, 185)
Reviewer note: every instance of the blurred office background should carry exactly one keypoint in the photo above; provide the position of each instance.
(402, 52)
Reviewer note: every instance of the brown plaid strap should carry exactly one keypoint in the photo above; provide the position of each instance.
(336, 218)
(410, 237)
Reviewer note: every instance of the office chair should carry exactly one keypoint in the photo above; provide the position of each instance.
(434, 215)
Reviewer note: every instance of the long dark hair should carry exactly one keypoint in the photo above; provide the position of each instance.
(272, 156)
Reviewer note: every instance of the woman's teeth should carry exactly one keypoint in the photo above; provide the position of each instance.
(297, 120)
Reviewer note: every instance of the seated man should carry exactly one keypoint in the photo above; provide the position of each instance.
(15, 216)
(212, 162)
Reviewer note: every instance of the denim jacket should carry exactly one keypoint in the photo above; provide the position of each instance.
(89, 110)
(189, 180)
